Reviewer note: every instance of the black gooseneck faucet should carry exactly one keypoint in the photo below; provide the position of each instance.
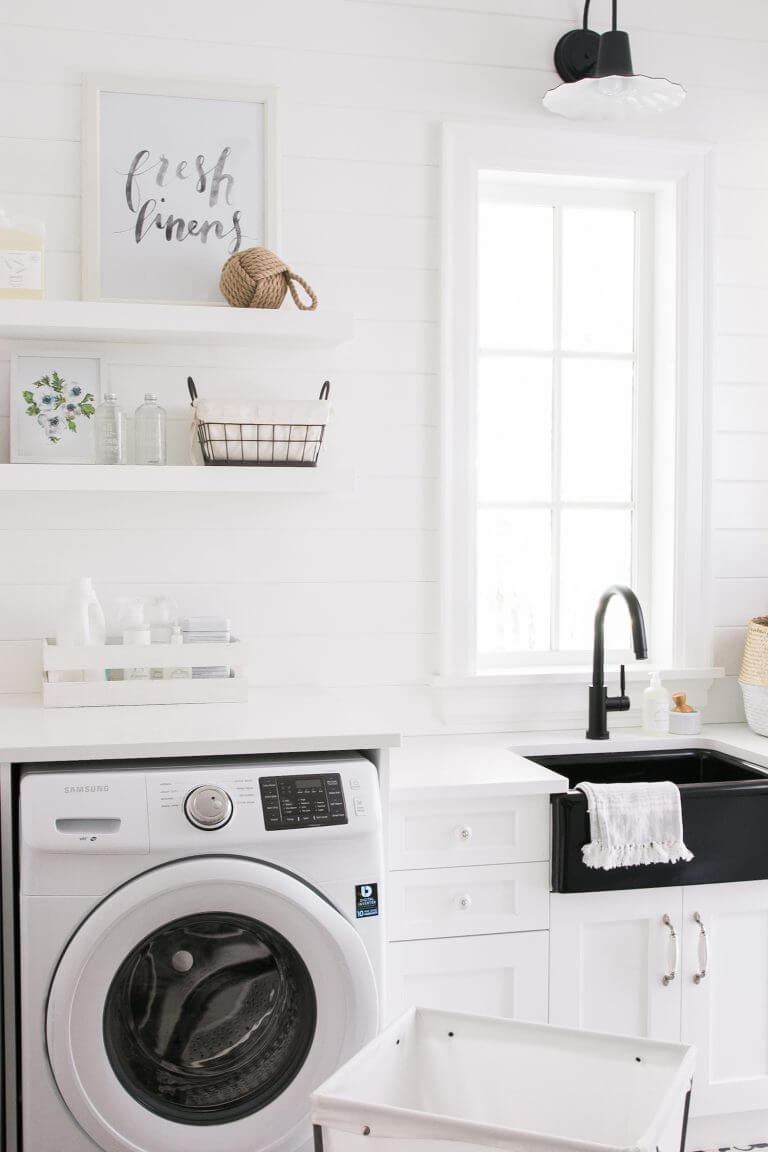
(600, 703)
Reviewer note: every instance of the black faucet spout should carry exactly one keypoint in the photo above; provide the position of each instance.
(600, 703)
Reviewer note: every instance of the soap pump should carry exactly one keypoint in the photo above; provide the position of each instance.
(656, 706)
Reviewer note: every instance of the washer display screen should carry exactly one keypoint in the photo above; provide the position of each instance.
(209, 1018)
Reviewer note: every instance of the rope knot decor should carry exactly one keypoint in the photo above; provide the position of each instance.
(257, 278)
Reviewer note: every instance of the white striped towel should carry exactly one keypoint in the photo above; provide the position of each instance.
(634, 824)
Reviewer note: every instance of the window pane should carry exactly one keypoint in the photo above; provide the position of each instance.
(597, 430)
(598, 279)
(515, 246)
(514, 444)
(595, 551)
(513, 578)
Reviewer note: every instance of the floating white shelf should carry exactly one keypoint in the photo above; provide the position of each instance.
(172, 324)
(171, 478)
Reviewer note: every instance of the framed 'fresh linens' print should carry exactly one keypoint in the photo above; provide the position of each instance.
(177, 177)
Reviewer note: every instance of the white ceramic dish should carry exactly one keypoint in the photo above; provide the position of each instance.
(685, 723)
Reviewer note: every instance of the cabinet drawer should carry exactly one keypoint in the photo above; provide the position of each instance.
(489, 975)
(455, 833)
(432, 902)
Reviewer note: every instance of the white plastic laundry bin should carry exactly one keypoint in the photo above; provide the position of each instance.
(448, 1082)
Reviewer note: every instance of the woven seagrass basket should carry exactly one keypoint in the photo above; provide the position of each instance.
(753, 677)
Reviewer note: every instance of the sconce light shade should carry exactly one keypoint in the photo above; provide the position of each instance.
(606, 87)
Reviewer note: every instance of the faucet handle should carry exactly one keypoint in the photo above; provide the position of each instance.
(620, 703)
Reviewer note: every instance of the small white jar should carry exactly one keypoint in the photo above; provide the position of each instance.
(685, 723)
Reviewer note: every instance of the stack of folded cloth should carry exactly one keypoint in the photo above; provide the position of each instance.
(207, 630)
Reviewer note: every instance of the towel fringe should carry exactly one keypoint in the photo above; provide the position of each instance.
(604, 856)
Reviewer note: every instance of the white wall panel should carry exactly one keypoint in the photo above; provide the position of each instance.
(341, 589)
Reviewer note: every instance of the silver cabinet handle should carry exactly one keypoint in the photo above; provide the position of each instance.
(668, 977)
(464, 832)
(703, 939)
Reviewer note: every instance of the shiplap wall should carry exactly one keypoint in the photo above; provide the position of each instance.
(341, 589)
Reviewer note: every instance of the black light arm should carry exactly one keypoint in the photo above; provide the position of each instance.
(615, 14)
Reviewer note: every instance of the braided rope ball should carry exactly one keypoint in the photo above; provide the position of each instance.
(257, 278)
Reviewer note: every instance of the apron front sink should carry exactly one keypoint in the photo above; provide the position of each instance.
(725, 818)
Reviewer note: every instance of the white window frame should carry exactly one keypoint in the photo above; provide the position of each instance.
(560, 194)
(678, 177)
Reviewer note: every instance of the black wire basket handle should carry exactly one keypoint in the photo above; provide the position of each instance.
(192, 390)
(325, 391)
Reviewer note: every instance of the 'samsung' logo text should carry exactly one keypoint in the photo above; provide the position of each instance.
(69, 788)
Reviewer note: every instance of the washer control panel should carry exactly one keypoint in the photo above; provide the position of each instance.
(301, 801)
(208, 807)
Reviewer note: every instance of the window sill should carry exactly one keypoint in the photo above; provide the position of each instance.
(572, 674)
(553, 698)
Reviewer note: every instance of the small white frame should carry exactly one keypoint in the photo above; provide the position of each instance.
(53, 352)
(93, 87)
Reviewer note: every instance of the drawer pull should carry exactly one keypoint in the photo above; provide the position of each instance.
(464, 902)
(703, 942)
(464, 832)
(669, 976)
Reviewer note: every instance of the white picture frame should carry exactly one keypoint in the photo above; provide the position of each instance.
(176, 175)
(31, 438)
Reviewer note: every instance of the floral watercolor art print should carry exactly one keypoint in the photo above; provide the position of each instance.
(53, 403)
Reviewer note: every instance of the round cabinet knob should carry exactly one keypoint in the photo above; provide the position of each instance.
(464, 902)
(208, 807)
(464, 832)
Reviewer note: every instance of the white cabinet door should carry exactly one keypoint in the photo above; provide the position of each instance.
(503, 975)
(615, 961)
(725, 994)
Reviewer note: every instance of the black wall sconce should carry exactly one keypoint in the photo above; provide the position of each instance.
(599, 82)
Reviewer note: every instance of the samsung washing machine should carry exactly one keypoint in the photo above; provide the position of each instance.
(201, 946)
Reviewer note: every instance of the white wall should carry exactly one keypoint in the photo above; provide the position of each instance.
(341, 589)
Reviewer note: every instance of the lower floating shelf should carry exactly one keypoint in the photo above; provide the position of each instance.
(171, 478)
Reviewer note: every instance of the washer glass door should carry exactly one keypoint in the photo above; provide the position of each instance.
(200, 1005)
(209, 1018)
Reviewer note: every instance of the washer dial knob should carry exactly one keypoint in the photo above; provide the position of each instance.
(208, 807)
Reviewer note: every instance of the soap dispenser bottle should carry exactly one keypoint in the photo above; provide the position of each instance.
(656, 706)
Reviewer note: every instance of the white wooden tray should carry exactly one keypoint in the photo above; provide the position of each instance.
(58, 659)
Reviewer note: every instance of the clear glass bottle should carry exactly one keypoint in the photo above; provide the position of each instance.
(177, 673)
(150, 431)
(110, 431)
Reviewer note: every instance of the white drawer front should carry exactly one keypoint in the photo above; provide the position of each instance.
(490, 975)
(455, 833)
(427, 903)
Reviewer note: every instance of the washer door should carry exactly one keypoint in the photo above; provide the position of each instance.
(216, 991)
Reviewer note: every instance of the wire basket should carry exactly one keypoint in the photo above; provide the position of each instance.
(275, 444)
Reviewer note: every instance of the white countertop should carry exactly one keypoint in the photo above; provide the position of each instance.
(496, 761)
(273, 720)
(324, 720)
(470, 763)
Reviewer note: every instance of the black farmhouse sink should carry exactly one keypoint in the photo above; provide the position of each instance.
(725, 818)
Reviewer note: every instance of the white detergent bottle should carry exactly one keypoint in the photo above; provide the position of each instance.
(656, 704)
(81, 625)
